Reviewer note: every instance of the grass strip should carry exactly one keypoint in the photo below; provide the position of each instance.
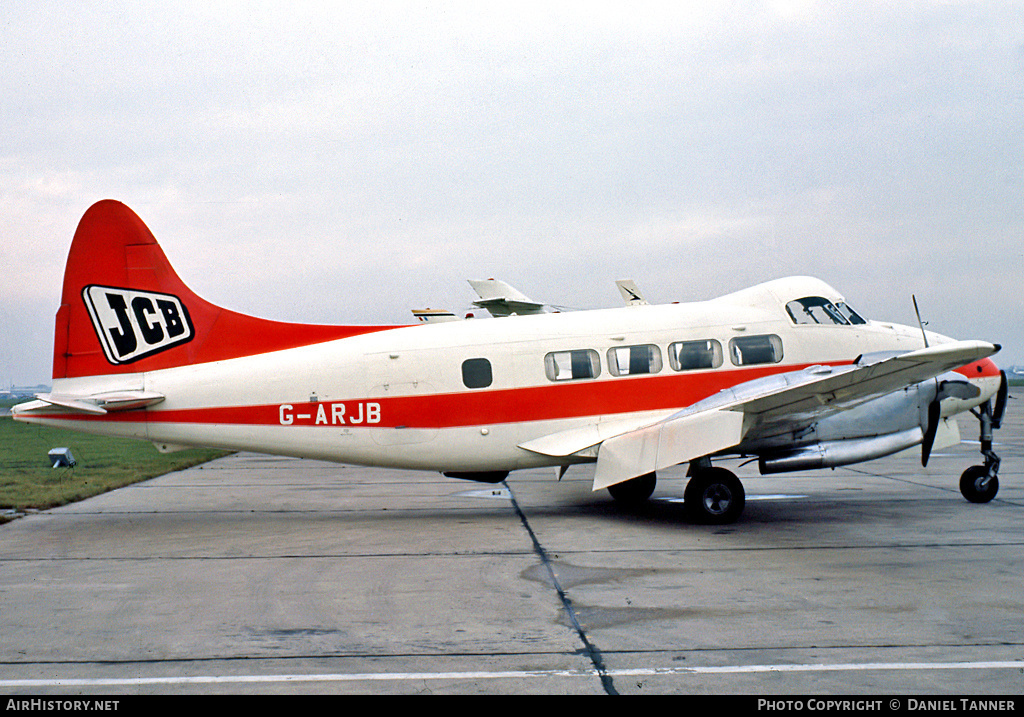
(27, 479)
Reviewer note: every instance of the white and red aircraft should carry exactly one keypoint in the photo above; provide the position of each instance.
(785, 372)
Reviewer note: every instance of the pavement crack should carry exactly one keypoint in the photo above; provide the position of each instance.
(589, 648)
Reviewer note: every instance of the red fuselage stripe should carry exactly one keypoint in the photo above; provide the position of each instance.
(482, 406)
(466, 408)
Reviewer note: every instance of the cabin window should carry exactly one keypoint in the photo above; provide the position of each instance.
(694, 355)
(818, 310)
(752, 350)
(476, 373)
(572, 365)
(630, 360)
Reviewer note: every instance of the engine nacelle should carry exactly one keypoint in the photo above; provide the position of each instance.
(831, 454)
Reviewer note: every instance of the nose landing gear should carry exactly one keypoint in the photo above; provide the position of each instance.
(979, 484)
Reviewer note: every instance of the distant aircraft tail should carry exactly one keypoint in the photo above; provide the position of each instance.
(125, 310)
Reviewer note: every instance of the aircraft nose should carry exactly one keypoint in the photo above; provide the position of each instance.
(985, 375)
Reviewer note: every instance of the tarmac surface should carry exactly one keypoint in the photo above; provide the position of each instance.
(256, 574)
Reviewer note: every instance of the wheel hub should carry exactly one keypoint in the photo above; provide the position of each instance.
(717, 499)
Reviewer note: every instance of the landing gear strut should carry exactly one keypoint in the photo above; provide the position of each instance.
(979, 484)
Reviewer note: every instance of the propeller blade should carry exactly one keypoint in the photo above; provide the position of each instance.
(997, 412)
(929, 434)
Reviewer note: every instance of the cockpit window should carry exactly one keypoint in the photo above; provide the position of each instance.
(818, 310)
(852, 316)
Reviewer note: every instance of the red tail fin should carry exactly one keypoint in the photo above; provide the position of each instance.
(125, 310)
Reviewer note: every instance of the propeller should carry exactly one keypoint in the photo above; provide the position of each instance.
(929, 434)
(953, 387)
(1001, 396)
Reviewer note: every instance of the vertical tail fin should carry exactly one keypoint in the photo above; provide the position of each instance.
(125, 310)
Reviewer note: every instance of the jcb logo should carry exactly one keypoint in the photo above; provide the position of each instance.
(134, 324)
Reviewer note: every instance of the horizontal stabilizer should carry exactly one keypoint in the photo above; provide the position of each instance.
(102, 403)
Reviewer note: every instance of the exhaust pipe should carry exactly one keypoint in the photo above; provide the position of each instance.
(832, 454)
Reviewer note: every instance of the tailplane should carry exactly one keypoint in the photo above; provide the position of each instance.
(125, 310)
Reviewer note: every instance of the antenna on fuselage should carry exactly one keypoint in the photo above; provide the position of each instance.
(934, 410)
(919, 322)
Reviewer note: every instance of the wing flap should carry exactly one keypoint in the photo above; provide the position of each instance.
(665, 444)
(575, 440)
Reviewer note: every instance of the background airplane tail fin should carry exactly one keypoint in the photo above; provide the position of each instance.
(125, 310)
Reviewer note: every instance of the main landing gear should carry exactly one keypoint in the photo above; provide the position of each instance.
(979, 484)
(713, 496)
(634, 491)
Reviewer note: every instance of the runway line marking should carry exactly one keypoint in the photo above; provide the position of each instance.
(750, 497)
(499, 675)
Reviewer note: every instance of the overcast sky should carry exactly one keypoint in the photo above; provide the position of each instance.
(345, 162)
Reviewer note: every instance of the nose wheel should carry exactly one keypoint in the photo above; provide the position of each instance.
(978, 485)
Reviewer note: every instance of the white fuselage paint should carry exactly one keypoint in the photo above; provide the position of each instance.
(397, 398)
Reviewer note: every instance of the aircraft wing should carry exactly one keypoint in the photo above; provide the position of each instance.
(724, 420)
(824, 390)
(501, 299)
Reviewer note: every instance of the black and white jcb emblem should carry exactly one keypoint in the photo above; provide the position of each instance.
(134, 324)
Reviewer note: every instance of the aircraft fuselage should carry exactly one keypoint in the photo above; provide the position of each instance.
(462, 396)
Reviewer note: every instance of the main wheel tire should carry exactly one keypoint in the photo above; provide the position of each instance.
(635, 490)
(971, 485)
(714, 496)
